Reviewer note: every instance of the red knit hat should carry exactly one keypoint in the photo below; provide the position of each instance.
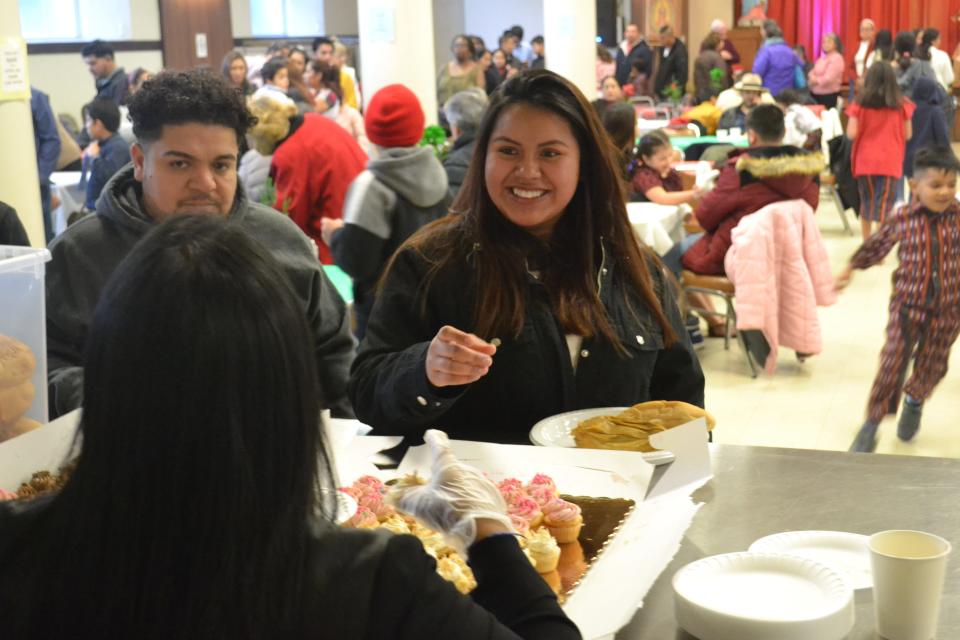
(394, 117)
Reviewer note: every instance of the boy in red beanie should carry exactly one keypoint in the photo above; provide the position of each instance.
(403, 188)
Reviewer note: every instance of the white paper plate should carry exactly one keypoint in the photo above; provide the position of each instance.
(846, 553)
(556, 431)
(754, 596)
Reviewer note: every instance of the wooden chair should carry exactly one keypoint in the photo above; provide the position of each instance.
(717, 287)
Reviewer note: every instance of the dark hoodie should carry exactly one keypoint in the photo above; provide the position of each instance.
(929, 121)
(87, 253)
(400, 191)
(752, 179)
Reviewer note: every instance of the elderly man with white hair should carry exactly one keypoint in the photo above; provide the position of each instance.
(464, 110)
(727, 51)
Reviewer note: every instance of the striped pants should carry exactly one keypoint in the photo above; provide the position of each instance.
(926, 336)
(878, 195)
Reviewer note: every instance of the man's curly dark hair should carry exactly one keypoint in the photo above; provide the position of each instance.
(181, 97)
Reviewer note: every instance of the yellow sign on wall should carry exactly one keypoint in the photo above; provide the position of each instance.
(14, 81)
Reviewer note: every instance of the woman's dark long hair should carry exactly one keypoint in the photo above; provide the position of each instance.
(246, 88)
(883, 45)
(201, 464)
(620, 123)
(880, 89)
(568, 262)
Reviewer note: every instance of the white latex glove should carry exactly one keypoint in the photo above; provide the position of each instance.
(456, 495)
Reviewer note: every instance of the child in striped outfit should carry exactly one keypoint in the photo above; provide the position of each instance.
(925, 307)
(879, 124)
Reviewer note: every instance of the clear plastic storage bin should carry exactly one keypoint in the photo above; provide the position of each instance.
(23, 313)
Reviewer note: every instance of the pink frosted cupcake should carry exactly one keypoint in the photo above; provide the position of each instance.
(520, 524)
(541, 493)
(364, 518)
(374, 501)
(563, 519)
(542, 480)
(527, 509)
(368, 485)
(512, 490)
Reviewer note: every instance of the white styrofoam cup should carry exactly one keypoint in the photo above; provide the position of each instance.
(908, 574)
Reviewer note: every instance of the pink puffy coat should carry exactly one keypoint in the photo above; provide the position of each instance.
(780, 268)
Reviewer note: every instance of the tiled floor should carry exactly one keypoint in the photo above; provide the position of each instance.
(820, 404)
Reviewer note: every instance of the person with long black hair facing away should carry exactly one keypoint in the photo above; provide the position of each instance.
(534, 297)
(880, 124)
(202, 501)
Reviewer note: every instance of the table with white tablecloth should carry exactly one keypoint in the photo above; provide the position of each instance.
(658, 226)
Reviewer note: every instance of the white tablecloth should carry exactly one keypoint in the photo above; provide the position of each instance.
(657, 226)
(66, 186)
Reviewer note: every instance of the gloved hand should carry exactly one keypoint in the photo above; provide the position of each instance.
(453, 499)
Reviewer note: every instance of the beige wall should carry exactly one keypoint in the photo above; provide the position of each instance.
(448, 21)
(700, 14)
(340, 17)
(65, 78)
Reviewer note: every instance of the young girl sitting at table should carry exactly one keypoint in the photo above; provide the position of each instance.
(655, 180)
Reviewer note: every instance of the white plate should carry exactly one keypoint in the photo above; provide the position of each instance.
(847, 553)
(754, 596)
(556, 431)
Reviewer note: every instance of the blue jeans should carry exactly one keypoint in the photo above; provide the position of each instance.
(672, 257)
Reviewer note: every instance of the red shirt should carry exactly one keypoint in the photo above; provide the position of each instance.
(880, 144)
(312, 170)
(646, 178)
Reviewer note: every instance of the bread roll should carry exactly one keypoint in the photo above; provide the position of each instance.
(16, 361)
(630, 430)
(20, 427)
(14, 402)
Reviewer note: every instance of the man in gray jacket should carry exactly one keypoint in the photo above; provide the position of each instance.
(403, 188)
(188, 126)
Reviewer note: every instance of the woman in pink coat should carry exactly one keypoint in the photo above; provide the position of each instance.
(827, 74)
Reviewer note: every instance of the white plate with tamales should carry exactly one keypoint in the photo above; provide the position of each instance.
(618, 428)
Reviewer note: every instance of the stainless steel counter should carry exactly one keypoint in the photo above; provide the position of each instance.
(757, 491)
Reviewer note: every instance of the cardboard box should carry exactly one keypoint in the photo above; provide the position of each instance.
(614, 587)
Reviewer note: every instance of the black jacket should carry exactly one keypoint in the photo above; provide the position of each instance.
(373, 584)
(458, 161)
(640, 51)
(11, 229)
(671, 68)
(531, 377)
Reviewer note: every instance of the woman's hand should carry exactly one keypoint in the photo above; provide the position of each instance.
(329, 226)
(459, 500)
(456, 358)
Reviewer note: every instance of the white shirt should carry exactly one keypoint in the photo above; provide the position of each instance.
(860, 60)
(942, 66)
(799, 122)
(574, 342)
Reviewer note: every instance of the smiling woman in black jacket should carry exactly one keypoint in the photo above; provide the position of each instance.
(534, 299)
(201, 502)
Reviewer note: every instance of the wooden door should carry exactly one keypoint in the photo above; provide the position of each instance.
(195, 34)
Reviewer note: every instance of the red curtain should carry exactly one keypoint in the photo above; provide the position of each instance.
(805, 21)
